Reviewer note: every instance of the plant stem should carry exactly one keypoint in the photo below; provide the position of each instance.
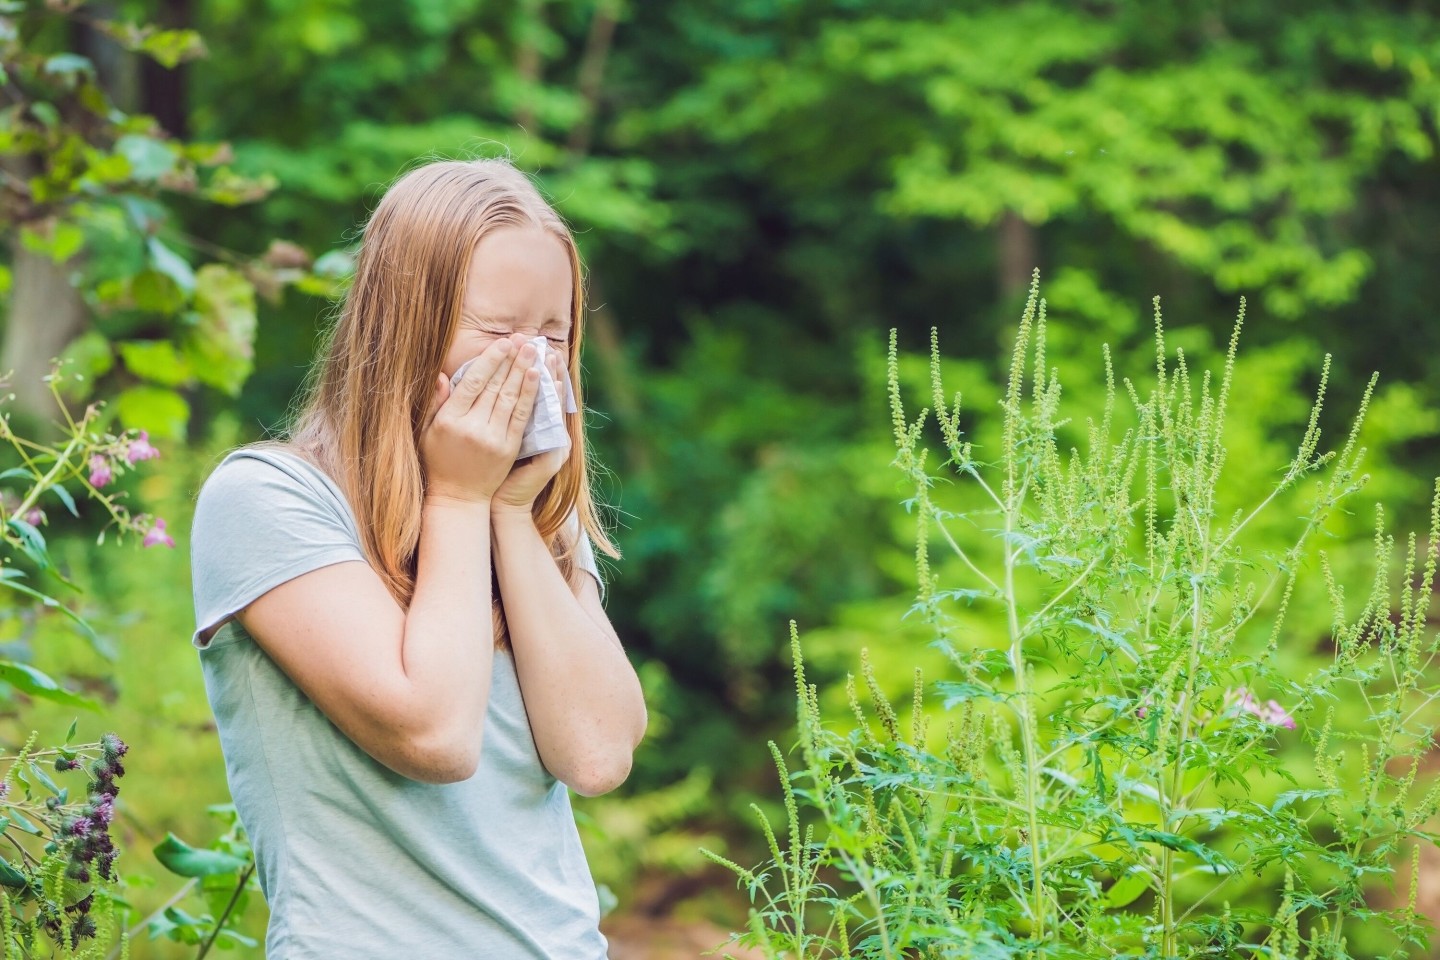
(225, 914)
(181, 894)
(1027, 736)
(60, 463)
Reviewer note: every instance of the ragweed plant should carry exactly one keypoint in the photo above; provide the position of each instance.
(1138, 768)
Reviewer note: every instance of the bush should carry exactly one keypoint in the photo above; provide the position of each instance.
(1154, 761)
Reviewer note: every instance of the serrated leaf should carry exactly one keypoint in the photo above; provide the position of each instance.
(179, 857)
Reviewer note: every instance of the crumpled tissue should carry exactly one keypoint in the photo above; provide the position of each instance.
(546, 429)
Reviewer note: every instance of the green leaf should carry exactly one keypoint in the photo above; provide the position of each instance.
(157, 361)
(171, 264)
(65, 498)
(12, 877)
(1183, 844)
(221, 346)
(32, 542)
(69, 63)
(1127, 888)
(61, 242)
(44, 778)
(179, 857)
(170, 47)
(156, 292)
(46, 113)
(8, 581)
(28, 680)
(70, 734)
(149, 158)
(84, 360)
(161, 411)
(22, 821)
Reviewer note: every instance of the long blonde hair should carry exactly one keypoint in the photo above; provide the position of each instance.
(365, 401)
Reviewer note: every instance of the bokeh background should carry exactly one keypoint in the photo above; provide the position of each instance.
(761, 190)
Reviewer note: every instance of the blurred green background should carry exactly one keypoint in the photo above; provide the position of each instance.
(761, 189)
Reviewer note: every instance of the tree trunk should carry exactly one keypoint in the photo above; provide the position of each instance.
(46, 313)
(1019, 255)
(163, 89)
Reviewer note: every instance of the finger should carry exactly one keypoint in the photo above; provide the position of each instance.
(490, 365)
(524, 406)
(557, 369)
(497, 401)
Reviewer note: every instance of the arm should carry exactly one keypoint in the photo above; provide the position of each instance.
(586, 707)
(409, 688)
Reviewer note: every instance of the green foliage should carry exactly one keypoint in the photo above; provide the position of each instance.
(1108, 781)
(1225, 145)
(59, 900)
(98, 196)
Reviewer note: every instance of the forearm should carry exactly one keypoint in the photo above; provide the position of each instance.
(585, 703)
(448, 649)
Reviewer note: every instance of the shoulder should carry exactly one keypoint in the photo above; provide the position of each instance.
(266, 488)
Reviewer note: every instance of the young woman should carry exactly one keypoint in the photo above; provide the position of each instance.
(400, 626)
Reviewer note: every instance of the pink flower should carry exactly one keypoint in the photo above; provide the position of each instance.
(1272, 712)
(140, 449)
(35, 516)
(100, 472)
(1275, 714)
(157, 535)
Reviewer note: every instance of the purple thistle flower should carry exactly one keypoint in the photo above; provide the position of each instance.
(100, 472)
(157, 536)
(113, 746)
(140, 449)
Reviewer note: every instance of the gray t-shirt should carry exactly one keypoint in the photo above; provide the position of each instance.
(355, 860)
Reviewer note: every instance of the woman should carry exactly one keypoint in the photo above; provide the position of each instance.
(375, 593)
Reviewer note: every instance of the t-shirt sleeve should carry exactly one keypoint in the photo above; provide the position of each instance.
(585, 552)
(258, 525)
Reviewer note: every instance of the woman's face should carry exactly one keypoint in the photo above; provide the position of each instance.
(519, 285)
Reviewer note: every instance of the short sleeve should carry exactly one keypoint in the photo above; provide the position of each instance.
(585, 552)
(259, 522)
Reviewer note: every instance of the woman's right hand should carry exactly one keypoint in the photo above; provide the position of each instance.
(474, 432)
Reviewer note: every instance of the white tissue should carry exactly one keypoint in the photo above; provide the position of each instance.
(546, 429)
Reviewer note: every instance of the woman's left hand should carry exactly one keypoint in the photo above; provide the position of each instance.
(517, 492)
